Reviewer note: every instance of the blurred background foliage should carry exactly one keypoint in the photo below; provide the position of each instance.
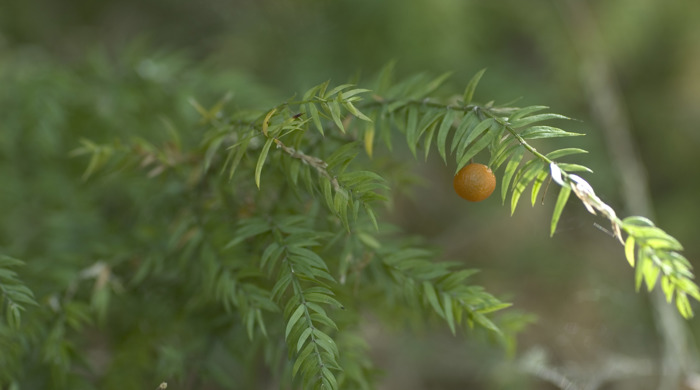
(113, 69)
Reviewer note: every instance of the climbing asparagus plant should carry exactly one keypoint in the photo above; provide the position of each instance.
(275, 230)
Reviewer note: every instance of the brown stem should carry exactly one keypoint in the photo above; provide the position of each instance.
(315, 162)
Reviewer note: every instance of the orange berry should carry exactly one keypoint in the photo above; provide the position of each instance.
(474, 182)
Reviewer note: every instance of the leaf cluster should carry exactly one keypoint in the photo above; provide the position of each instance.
(14, 295)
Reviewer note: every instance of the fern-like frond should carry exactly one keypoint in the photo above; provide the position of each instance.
(304, 284)
(439, 287)
(307, 322)
(14, 295)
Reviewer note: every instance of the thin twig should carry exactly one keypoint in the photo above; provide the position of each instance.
(318, 164)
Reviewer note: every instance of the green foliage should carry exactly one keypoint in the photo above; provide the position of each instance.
(15, 295)
(308, 247)
(311, 143)
(255, 240)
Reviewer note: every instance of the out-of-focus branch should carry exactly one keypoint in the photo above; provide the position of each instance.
(575, 377)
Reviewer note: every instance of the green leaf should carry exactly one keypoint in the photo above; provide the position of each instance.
(429, 120)
(642, 259)
(574, 168)
(330, 378)
(7, 261)
(429, 138)
(444, 129)
(688, 287)
(7, 274)
(14, 317)
(409, 88)
(261, 160)
(500, 141)
(510, 170)
(351, 179)
(325, 342)
(652, 237)
(250, 323)
(301, 359)
(536, 118)
(486, 323)
(528, 173)
(340, 205)
(471, 87)
(369, 240)
(668, 288)
(651, 274)
(629, 250)
(99, 157)
(271, 254)
(321, 298)
(493, 308)
(353, 92)
(266, 121)
(391, 108)
(318, 290)
(468, 122)
(449, 314)
(525, 111)
(337, 89)
(261, 323)
(333, 109)
(293, 171)
(372, 217)
(677, 259)
(342, 155)
(322, 88)
(474, 132)
(315, 116)
(564, 193)
(537, 132)
(385, 78)
(412, 129)
(306, 256)
(213, 146)
(683, 305)
(384, 128)
(478, 146)
(325, 320)
(249, 228)
(294, 319)
(455, 279)
(500, 155)
(432, 297)
(304, 336)
(240, 152)
(354, 111)
(369, 140)
(310, 93)
(435, 84)
(637, 221)
(564, 152)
